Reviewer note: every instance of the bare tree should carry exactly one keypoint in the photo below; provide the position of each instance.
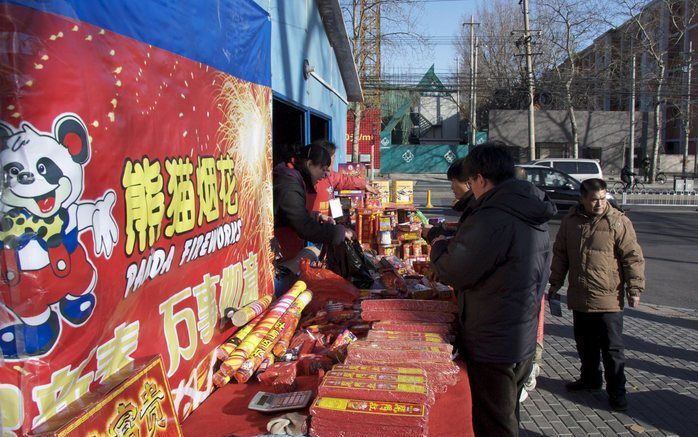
(373, 27)
(501, 74)
(655, 29)
(567, 25)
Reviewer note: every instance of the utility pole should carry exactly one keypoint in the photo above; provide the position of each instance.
(473, 131)
(687, 109)
(632, 116)
(473, 109)
(529, 74)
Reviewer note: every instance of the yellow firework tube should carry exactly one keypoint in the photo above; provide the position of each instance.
(226, 349)
(291, 319)
(253, 339)
(245, 315)
(254, 360)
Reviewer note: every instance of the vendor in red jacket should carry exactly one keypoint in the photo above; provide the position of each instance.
(319, 202)
(293, 222)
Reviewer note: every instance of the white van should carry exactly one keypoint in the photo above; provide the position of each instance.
(580, 169)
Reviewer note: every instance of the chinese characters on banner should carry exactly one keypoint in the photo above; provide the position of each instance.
(137, 201)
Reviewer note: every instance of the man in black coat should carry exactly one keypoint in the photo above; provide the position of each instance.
(499, 264)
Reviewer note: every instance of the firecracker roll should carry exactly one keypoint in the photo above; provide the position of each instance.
(399, 353)
(375, 390)
(290, 321)
(440, 346)
(246, 314)
(250, 343)
(332, 428)
(226, 349)
(409, 305)
(254, 360)
(408, 316)
(351, 412)
(430, 337)
(392, 325)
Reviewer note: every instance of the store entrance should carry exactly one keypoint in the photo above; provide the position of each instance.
(288, 128)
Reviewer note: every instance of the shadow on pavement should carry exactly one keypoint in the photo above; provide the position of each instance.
(667, 320)
(665, 410)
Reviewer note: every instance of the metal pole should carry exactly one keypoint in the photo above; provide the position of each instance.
(529, 74)
(472, 81)
(687, 109)
(632, 117)
(474, 125)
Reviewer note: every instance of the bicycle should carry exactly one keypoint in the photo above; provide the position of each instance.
(660, 178)
(635, 186)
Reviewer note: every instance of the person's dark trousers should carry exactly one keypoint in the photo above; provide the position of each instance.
(495, 389)
(601, 335)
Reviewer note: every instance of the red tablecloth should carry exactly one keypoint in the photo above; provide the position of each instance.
(225, 413)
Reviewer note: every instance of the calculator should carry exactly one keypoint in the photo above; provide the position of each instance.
(273, 402)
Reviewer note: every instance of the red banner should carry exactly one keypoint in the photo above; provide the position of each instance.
(137, 208)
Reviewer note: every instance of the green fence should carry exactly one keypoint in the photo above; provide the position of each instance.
(421, 158)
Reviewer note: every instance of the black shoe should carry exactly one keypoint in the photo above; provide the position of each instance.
(618, 403)
(580, 385)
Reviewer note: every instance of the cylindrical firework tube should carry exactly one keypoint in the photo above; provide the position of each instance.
(250, 342)
(226, 349)
(254, 360)
(291, 319)
(245, 315)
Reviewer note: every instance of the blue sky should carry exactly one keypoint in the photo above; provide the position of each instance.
(437, 18)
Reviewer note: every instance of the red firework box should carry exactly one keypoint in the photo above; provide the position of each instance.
(401, 378)
(138, 405)
(376, 390)
(428, 337)
(439, 375)
(409, 305)
(392, 325)
(348, 412)
(408, 316)
(329, 428)
(420, 347)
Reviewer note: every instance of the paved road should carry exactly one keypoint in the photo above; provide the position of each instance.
(668, 236)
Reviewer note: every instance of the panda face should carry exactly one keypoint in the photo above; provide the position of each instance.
(40, 173)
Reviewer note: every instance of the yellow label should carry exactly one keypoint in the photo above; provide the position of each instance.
(411, 388)
(335, 404)
(410, 379)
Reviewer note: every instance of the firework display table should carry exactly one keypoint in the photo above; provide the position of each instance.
(225, 413)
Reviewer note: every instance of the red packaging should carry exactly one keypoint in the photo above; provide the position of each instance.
(326, 285)
(385, 353)
(377, 376)
(409, 305)
(375, 390)
(311, 364)
(322, 427)
(331, 428)
(405, 336)
(409, 316)
(410, 345)
(392, 325)
(348, 412)
(281, 377)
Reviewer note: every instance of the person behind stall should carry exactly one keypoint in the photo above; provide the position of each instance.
(319, 201)
(463, 202)
(499, 263)
(293, 223)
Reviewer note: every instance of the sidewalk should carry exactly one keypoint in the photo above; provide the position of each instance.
(661, 368)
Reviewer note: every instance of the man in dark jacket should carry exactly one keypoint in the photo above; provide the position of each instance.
(498, 262)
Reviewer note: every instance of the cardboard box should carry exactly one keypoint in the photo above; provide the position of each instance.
(403, 192)
(134, 401)
(384, 188)
(352, 169)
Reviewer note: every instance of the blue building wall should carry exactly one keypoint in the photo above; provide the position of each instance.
(298, 34)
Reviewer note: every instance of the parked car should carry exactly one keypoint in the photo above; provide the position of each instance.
(562, 188)
(580, 169)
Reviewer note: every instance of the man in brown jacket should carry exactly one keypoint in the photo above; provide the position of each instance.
(597, 246)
